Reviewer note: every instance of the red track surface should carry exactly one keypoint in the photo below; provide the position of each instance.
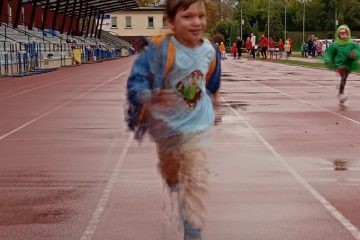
(70, 170)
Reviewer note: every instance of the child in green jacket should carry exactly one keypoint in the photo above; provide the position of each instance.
(343, 55)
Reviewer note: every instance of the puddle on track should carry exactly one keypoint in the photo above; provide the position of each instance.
(340, 164)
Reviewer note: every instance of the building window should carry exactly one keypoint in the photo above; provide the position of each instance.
(114, 22)
(164, 22)
(150, 22)
(128, 22)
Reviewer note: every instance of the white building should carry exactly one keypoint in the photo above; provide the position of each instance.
(142, 22)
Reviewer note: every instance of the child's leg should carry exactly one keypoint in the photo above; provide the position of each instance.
(169, 160)
(193, 182)
(344, 75)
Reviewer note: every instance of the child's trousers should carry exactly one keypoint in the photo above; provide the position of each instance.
(182, 160)
(344, 75)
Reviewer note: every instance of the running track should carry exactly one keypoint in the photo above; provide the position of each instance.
(70, 170)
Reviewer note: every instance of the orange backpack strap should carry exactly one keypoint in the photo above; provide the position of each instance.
(211, 69)
(170, 58)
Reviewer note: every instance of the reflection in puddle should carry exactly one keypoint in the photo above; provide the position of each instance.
(340, 165)
(226, 75)
(242, 105)
(229, 80)
(235, 105)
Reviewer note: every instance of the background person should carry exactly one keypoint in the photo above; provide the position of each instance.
(234, 50)
(253, 44)
(264, 46)
(222, 50)
(343, 55)
(248, 46)
(239, 45)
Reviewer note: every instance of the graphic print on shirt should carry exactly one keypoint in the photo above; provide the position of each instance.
(189, 89)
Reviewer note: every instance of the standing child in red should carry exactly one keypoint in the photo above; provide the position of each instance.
(248, 45)
(234, 50)
(271, 48)
(281, 47)
(264, 46)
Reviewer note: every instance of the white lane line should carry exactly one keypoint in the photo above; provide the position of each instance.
(316, 84)
(309, 103)
(95, 219)
(58, 107)
(327, 87)
(325, 203)
(30, 90)
(38, 87)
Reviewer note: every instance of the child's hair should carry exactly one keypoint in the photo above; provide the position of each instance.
(173, 6)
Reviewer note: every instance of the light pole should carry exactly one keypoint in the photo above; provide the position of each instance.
(303, 36)
(268, 26)
(241, 24)
(285, 23)
(336, 20)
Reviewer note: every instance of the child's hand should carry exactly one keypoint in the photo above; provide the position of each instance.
(164, 100)
(353, 54)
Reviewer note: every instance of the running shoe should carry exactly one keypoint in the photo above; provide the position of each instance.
(191, 233)
(342, 98)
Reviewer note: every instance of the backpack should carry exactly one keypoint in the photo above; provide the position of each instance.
(136, 114)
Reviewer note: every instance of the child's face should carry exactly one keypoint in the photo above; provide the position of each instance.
(188, 25)
(343, 34)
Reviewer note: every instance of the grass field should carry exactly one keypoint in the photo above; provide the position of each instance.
(318, 64)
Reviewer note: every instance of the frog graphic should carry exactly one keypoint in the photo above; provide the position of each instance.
(189, 89)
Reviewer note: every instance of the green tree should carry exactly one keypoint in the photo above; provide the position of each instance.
(212, 15)
(234, 32)
(276, 27)
(240, 13)
(255, 30)
(319, 14)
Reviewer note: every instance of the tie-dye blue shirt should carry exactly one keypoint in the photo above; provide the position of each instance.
(193, 111)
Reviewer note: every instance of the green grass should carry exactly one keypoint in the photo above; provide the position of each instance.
(301, 63)
(304, 64)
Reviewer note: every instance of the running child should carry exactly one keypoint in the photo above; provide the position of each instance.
(170, 91)
(343, 55)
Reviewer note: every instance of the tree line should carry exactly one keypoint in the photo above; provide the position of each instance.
(224, 16)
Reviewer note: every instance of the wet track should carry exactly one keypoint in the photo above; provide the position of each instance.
(285, 162)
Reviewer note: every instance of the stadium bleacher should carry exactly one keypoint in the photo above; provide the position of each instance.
(28, 50)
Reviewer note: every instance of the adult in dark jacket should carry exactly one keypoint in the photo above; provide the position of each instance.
(239, 45)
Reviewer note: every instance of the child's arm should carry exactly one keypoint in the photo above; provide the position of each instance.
(140, 86)
(213, 77)
(139, 81)
(355, 53)
(163, 100)
(329, 56)
(138, 90)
